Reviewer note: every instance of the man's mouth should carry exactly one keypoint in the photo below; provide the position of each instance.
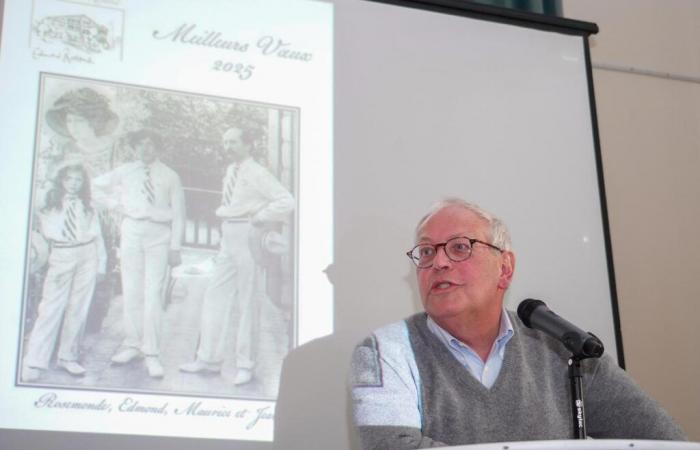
(441, 285)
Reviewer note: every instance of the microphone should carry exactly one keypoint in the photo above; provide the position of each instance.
(536, 315)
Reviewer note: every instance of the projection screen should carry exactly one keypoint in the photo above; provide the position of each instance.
(356, 117)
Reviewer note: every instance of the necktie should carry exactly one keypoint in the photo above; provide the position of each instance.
(148, 190)
(70, 221)
(230, 185)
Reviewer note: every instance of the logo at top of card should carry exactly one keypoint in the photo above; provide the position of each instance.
(76, 33)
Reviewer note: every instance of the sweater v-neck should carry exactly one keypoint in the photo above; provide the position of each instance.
(464, 377)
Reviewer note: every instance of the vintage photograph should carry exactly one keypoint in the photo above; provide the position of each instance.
(162, 248)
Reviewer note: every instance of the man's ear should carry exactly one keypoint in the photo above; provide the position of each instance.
(507, 269)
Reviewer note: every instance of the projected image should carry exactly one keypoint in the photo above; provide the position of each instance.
(161, 256)
(72, 32)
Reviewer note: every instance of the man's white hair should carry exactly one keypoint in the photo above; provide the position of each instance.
(500, 236)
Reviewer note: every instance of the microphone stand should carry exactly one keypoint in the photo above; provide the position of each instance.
(577, 409)
(576, 378)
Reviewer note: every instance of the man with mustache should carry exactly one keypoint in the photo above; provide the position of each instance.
(468, 371)
(252, 198)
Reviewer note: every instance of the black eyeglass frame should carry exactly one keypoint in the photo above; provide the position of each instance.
(472, 241)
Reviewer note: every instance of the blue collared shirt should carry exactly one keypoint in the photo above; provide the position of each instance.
(486, 372)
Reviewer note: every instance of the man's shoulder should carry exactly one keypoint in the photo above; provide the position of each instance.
(252, 167)
(523, 330)
(391, 341)
(388, 345)
(167, 170)
(396, 332)
(536, 342)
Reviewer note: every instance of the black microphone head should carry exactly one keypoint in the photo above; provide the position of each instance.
(593, 347)
(525, 309)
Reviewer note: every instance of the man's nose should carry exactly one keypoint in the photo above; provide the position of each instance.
(441, 260)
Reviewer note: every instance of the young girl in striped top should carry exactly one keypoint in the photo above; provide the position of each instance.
(77, 257)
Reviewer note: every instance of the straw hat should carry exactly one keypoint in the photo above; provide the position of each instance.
(265, 242)
(275, 242)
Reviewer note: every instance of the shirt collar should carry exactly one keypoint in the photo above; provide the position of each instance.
(244, 162)
(151, 165)
(505, 333)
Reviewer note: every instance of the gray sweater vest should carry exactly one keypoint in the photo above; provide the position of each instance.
(531, 398)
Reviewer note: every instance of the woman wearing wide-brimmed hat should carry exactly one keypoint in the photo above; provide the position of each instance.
(85, 117)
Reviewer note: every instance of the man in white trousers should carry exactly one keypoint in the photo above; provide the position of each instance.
(252, 198)
(149, 195)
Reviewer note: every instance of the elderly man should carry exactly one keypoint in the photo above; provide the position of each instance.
(467, 371)
(252, 199)
(149, 195)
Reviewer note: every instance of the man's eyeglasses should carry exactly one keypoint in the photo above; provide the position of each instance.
(457, 249)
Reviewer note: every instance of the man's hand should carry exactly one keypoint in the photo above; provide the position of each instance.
(257, 222)
(174, 258)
